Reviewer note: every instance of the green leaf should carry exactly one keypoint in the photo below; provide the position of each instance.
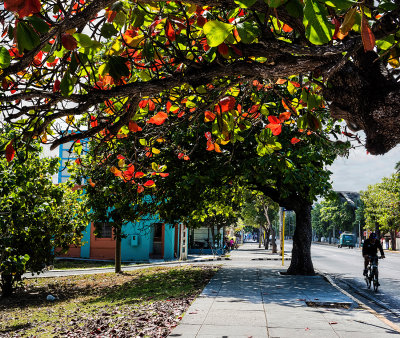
(4, 57)
(117, 67)
(66, 85)
(137, 18)
(108, 30)
(120, 18)
(294, 8)
(340, 4)
(318, 29)
(245, 3)
(26, 37)
(83, 40)
(247, 32)
(216, 32)
(40, 25)
(275, 3)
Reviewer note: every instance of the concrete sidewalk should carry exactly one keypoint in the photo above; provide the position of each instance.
(251, 298)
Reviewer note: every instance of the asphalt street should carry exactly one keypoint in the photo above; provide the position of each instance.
(345, 266)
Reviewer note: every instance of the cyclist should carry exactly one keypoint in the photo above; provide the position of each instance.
(370, 248)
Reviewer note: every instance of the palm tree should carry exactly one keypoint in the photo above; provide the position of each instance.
(397, 167)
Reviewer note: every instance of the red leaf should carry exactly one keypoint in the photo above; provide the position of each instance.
(296, 84)
(159, 118)
(284, 116)
(56, 86)
(337, 24)
(93, 121)
(274, 120)
(24, 7)
(236, 50)
(223, 49)
(209, 116)
(152, 105)
(368, 38)
(180, 155)
(69, 42)
(143, 103)
(164, 174)
(139, 174)
(201, 21)
(169, 105)
(134, 127)
(208, 135)
(78, 161)
(226, 104)
(275, 128)
(140, 189)
(149, 183)
(294, 140)
(10, 152)
(254, 109)
(169, 31)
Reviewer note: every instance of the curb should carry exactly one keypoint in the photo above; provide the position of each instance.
(271, 259)
(359, 302)
(212, 259)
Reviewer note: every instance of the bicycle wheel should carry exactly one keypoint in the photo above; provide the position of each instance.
(368, 279)
(375, 280)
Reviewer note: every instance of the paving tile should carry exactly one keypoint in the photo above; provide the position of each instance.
(232, 331)
(234, 317)
(186, 331)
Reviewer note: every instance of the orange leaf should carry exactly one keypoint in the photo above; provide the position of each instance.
(143, 103)
(134, 127)
(164, 174)
(152, 106)
(116, 172)
(286, 28)
(285, 105)
(217, 148)
(159, 118)
(280, 81)
(10, 152)
(92, 184)
(368, 38)
(186, 158)
(149, 183)
(210, 145)
(284, 116)
(275, 128)
(294, 140)
(140, 189)
(296, 84)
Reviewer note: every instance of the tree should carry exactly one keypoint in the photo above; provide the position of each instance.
(260, 212)
(337, 214)
(113, 192)
(382, 208)
(37, 217)
(105, 63)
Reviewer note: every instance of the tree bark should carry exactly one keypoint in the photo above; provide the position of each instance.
(301, 263)
(6, 285)
(393, 239)
(273, 241)
(118, 250)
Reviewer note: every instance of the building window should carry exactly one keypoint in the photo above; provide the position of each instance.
(104, 229)
(157, 232)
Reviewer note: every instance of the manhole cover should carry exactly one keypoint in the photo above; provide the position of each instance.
(333, 305)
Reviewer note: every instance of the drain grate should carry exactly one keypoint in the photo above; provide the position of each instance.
(332, 305)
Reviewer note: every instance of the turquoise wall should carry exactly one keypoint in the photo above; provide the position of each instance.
(85, 248)
(169, 242)
(141, 251)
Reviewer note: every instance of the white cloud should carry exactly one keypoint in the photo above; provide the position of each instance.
(359, 170)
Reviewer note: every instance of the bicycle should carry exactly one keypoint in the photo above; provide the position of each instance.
(372, 273)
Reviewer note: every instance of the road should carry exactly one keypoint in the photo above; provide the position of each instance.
(345, 266)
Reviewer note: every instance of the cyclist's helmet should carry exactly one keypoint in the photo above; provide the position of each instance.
(372, 235)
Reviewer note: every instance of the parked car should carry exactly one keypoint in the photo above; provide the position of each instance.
(347, 239)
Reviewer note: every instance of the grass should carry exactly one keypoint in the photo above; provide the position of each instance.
(66, 264)
(145, 302)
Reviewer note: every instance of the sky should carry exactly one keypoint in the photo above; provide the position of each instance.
(359, 170)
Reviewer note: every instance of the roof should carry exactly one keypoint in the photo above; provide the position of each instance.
(350, 197)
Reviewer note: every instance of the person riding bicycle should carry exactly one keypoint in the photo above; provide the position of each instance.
(370, 248)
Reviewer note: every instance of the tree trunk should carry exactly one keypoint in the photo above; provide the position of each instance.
(266, 240)
(393, 239)
(118, 250)
(301, 263)
(259, 236)
(273, 241)
(6, 285)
